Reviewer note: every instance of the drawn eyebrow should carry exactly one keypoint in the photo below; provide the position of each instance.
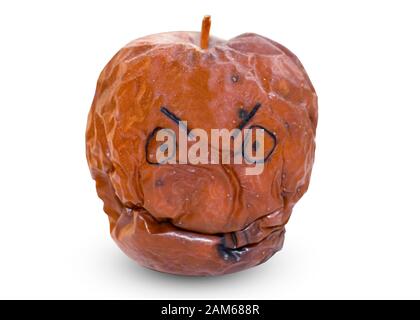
(249, 116)
(172, 116)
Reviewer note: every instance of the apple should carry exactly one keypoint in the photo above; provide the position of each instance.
(200, 219)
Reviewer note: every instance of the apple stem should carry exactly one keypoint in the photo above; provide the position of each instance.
(205, 31)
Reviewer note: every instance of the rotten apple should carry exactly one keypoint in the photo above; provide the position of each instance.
(200, 219)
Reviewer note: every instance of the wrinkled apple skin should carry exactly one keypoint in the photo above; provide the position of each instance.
(202, 219)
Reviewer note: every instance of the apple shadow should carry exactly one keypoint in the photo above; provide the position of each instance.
(135, 273)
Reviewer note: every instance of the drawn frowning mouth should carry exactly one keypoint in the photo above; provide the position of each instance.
(232, 246)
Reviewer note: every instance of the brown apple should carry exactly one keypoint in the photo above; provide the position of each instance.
(202, 219)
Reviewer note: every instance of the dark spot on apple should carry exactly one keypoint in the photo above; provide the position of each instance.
(228, 254)
(159, 183)
(235, 78)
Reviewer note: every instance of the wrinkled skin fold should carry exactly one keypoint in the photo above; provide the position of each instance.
(200, 219)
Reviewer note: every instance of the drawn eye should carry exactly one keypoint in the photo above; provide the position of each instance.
(154, 147)
(259, 144)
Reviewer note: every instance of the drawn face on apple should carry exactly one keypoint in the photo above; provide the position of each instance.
(205, 181)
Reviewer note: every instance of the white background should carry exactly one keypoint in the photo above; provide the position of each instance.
(355, 234)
